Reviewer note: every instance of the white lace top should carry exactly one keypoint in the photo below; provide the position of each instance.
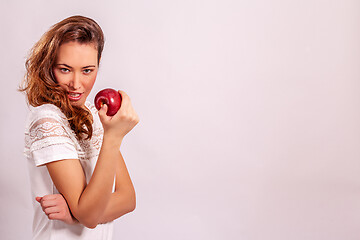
(48, 138)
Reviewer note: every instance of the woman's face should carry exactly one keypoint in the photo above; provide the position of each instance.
(75, 70)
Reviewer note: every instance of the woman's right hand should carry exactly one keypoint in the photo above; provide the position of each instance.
(122, 122)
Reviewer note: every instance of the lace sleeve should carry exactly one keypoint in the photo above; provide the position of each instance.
(47, 140)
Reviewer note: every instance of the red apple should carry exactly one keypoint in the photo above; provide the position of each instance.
(111, 98)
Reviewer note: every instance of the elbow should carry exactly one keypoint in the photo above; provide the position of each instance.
(132, 206)
(91, 226)
(132, 203)
(129, 203)
(89, 223)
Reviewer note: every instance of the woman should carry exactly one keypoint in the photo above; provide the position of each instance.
(73, 150)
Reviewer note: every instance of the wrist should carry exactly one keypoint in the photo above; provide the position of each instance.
(112, 140)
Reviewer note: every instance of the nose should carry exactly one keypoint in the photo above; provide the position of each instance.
(74, 84)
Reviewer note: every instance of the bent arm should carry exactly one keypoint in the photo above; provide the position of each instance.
(123, 200)
(87, 202)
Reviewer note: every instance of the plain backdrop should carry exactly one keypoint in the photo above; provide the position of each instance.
(250, 115)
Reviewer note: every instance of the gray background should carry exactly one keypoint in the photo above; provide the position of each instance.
(249, 115)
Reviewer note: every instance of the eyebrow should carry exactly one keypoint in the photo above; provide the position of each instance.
(71, 67)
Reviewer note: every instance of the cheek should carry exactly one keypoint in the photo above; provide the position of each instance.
(60, 78)
(90, 83)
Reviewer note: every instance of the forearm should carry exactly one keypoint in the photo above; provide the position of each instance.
(97, 194)
(119, 205)
(123, 200)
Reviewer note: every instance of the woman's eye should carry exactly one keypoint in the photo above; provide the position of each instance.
(88, 71)
(64, 70)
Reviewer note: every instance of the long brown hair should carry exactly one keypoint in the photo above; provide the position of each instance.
(40, 84)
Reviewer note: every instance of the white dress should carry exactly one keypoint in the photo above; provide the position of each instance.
(48, 138)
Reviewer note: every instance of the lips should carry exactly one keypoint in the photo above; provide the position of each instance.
(74, 96)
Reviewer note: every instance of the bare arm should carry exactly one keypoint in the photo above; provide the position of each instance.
(123, 200)
(86, 202)
(89, 202)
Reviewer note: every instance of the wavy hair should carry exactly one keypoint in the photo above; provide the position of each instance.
(39, 82)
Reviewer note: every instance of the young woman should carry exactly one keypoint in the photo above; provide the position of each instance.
(79, 180)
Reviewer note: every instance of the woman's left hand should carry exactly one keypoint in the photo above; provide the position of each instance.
(56, 208)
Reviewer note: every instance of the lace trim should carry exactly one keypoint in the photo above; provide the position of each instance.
(49, 128)
(53, 128)
(91, 107)
(45, 132)
(92, 147)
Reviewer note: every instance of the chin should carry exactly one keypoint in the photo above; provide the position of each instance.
(77, 103)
